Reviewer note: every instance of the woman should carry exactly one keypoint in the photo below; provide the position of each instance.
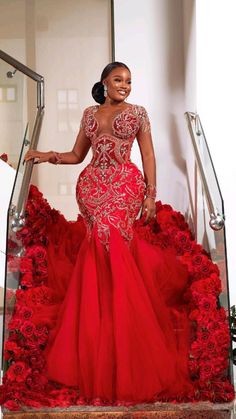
(122, 334)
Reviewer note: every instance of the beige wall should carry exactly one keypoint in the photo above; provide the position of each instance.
(69, 43)
(12, 113)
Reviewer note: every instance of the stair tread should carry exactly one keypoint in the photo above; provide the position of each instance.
(183, 411)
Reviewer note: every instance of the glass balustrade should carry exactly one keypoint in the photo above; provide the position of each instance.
(13, 143)
(16, 106)
(208, 209)
(14, 249)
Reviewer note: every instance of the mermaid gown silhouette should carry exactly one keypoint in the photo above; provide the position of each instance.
(123, 332)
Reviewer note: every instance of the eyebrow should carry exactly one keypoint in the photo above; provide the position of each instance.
(117, 75)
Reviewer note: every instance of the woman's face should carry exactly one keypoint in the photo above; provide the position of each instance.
(118, 84)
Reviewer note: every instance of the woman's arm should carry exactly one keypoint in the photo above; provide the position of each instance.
(75, 156)
(144, 138)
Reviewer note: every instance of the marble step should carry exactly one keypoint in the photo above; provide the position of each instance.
(186, 411)
(119, 415)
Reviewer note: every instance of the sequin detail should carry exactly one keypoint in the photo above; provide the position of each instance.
(110, 198)
(110, 190)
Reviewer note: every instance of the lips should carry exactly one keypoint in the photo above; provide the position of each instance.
(122, 92)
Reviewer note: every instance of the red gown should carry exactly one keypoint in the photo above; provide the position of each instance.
(122, 333)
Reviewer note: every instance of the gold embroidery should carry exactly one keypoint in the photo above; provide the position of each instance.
(110, 190)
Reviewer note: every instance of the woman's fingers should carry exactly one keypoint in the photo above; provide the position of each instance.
(148, 213)
(34, 154)
(149, 216)
(31, 154)
(144, 211)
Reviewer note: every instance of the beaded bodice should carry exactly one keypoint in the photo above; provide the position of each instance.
(111, 143)
(110, 190)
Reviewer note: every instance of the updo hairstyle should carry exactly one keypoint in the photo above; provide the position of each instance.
(98, 88)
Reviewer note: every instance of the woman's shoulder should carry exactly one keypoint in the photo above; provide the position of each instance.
(86, 115)
(142, 115)
(90, 108)
(140, 111)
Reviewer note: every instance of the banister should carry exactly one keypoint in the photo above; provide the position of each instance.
(19, 211)
(21, 67)
(217, 220)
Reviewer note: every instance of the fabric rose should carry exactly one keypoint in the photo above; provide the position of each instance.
(11, 405)
(27, 329)
(18, 372)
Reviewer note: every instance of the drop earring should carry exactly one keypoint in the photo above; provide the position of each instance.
(105, 90)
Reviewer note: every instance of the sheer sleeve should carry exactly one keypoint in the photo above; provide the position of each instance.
(85, 123)
(144, 138)
(145, 125)
(82, 122)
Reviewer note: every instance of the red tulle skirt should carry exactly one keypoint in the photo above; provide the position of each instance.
(123, 329)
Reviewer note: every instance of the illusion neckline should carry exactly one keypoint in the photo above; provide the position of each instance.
(96, 108)
(129, 106)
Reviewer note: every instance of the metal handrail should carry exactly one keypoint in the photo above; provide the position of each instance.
(18, 219)
(217, 220)
(19, 209)
(28, 72)
(21, 67)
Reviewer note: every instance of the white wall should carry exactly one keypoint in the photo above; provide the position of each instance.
(7, 176)
(149, 39)
(216, 92)
(189, 42)
(189, 21)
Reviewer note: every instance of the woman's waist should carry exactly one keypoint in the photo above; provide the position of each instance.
(106, 162)
(110, 151)
(110, 170)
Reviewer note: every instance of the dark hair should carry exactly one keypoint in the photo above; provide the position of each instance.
(98, 88)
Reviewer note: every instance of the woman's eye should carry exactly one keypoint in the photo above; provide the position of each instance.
(119, 81)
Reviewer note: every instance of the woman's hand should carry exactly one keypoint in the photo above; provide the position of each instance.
(149, 209)
(41, 157)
